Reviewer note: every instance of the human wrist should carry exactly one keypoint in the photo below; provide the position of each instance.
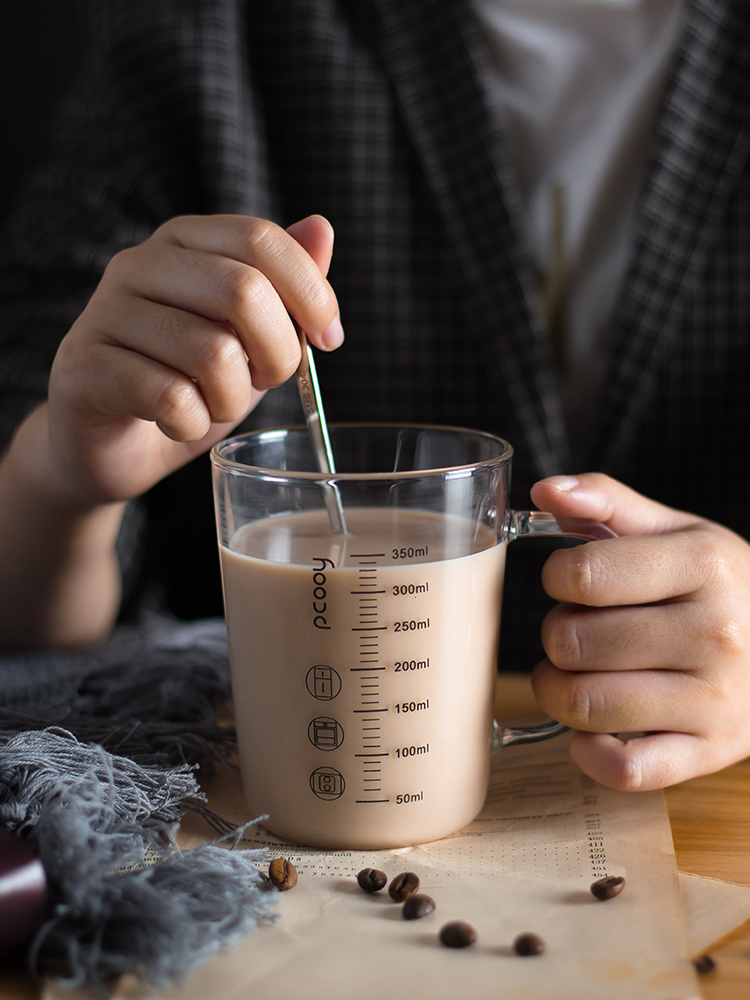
(35, 497)
(33, 471)
(60, 580)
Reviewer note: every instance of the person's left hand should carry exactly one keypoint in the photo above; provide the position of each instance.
(652, 636)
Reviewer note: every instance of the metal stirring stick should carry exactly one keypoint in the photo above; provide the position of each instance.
(312, 403)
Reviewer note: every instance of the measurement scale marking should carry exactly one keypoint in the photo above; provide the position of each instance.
(367, 592)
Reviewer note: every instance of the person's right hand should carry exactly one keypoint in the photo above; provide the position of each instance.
(179, 342)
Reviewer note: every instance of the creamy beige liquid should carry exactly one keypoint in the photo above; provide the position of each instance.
(363, 672)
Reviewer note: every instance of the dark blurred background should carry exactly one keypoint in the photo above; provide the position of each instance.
(41, 47)
(42, 43)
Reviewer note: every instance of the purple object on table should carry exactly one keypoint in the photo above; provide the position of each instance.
(23, 893)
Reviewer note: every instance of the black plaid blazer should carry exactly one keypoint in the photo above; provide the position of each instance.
(371, 113)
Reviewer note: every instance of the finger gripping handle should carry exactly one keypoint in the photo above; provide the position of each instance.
(537, 522)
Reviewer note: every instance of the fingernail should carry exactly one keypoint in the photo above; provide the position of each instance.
(333, 335)
(562, 483)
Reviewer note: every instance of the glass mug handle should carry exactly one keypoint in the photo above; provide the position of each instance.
(536, 522)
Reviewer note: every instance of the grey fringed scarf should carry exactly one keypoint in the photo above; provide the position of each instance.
(98, 754)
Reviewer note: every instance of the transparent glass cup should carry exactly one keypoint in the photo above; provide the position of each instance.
(364, 663)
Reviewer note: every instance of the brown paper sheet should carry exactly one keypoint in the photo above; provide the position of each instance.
(525, 864)
(714, 908)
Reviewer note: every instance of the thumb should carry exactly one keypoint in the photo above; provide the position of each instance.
(596, 496)
(315, 234)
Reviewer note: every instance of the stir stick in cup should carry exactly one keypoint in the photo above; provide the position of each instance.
(312, 403)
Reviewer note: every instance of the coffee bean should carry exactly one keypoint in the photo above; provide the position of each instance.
(606, 888)
(418, 905)
(457, 934)
(403, 885)
(371, 880)
(704, 964)
(283, 874)
(529, 944)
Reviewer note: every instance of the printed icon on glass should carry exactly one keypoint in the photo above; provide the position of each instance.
(327, 783)
(325, 734)
(323, 682)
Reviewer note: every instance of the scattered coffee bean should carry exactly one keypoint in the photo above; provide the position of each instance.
(606, 888)
(403, 885)
(283, 874)
(457, 934)
(371, 880)
(529, 944)
(704, 964)
(418, 905)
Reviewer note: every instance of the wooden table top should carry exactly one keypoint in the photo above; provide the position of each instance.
(710, 819)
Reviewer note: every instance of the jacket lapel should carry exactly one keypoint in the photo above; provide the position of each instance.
(434, 55)
(701, 148)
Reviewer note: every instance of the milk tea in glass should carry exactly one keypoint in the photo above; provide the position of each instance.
(364, 663)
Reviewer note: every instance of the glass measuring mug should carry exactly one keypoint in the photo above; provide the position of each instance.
(364, 663)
